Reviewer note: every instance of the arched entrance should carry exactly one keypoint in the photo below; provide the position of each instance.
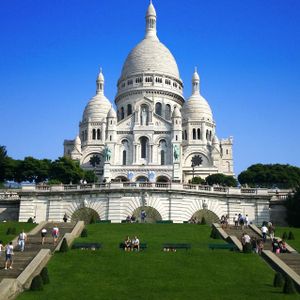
(209, 216)
(85, 214)
(152, 215)
(121, 179)
(162, 179)
(142, 179)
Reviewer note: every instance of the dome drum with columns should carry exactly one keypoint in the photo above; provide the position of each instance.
(154, 134)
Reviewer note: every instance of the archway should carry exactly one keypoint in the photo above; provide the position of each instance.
(85, 214)
(152, 215)
(121, 179)
(142, 179)
(207, 215)
(162, 179)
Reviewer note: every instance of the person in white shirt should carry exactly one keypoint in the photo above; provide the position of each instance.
(135, 244)
(1, 247)
(264, 231)
(22, 239)
(9, 251)
(43, 235)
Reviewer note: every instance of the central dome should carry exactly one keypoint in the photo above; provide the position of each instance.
(150, 55)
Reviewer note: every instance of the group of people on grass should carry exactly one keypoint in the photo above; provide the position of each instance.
(8, 250)
(132, 244)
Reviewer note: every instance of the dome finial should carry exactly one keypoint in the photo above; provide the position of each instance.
(100, 83)
(151, 22)
(196, 82)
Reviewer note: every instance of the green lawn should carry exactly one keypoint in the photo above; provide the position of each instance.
(296, 231)
(199, 273)
(19, 227)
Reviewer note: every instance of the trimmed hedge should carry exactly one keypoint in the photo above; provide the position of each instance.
(64, 246)
(84, 232)
(45, 276)
(291, 236)
(37, 283)
(289, 287)
(278, 280)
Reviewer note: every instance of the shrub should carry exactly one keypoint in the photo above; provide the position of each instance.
(84, 232)
(37, 283)
(64, 246)
(13, 231)
(8, 231)
(289, 287)
(247, 248)
(214, 233)
(203, 221)
(45, 276)
(93, 220)
(278, 280)
(284, 236)
(30, 220)
(291, 236)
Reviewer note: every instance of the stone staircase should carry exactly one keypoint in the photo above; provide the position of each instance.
(32, 247)
(292, 260)
(232, 230)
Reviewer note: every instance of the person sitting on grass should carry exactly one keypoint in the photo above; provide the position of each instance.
(135, 244)
(127, 244)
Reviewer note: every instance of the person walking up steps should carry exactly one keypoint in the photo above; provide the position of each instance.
(43, 235)
(9, 251)
(21, 240)
(55, 234)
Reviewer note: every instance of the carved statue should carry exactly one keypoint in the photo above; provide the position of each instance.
(176, 152)
(144, 116)
(107, 153)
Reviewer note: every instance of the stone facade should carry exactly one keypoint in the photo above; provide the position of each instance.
(115, 201)
(154, 134)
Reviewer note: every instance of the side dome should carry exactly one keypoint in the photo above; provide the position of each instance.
(150, 55)
(96, 109)
(196, 107)
(111, 113)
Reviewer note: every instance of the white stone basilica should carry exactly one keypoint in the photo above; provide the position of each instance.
(155, 135)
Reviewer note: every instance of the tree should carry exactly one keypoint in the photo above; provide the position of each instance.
(90, 176)
(270, 176)
(66, 170)
(3, 157)
(221, 179)
(293, 209)
(197, 180)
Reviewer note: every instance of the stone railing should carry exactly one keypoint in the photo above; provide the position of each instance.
(152, 185)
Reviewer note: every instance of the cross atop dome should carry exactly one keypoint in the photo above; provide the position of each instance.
(151, 22)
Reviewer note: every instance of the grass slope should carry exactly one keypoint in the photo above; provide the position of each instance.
(19, 227)
(199, 273)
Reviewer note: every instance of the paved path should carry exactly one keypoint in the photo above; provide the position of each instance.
(32, 247)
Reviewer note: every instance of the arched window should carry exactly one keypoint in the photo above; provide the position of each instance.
(82, 135)
(176, 137)
(122, 113)
(94, 134)
(124, 158)
(168, 112)
(129, 109)
(98, 134)
(210, 135)
(162, 157)
(207, 134)
(185, 135)
(194, 133)
(158, 108)
(198, 134)
(85, 135)
(144, 142)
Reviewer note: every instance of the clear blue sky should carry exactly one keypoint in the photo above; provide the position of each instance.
(247, 53)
